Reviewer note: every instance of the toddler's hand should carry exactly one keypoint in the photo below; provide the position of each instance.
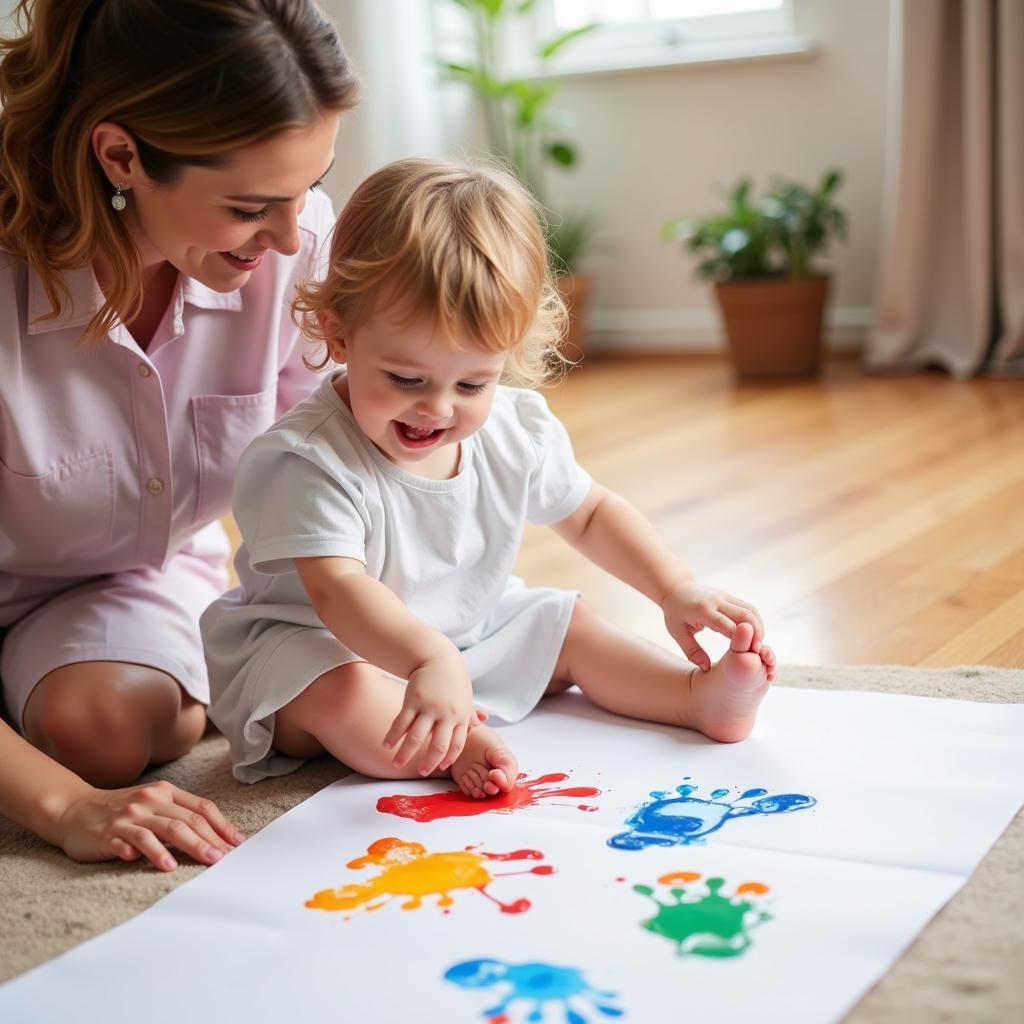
(689, 607)
(139, 820)
(435, 717)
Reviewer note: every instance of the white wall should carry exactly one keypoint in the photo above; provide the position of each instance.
(657, 144)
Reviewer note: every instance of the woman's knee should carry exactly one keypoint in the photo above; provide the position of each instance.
(103, 719)
(188, 729)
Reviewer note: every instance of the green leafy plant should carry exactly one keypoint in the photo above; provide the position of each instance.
(778, 236)
(521, 128)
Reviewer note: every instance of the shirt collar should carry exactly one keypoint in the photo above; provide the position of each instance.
(86, 298)
(206, 298)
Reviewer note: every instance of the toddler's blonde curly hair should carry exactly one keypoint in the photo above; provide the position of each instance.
(460, 244)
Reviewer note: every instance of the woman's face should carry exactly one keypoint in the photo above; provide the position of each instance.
(215, 223)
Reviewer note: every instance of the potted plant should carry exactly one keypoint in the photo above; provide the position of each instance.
(760, 256)
(570, 238)
(529, 137)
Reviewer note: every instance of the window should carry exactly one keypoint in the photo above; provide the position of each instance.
(694, 19)
(652, 33)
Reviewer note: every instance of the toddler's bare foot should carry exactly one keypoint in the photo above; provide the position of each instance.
(486, 767)
(728, 694)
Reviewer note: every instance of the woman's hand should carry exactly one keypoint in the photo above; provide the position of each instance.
(435, 718)
(142, 821)
(689, 607)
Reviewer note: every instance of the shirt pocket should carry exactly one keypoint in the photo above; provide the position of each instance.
(51, 522)
(224, 425)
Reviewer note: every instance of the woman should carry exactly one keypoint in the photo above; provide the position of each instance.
(156, 165)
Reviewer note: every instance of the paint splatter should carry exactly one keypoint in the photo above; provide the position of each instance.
(682, 819)
(707, 924)
(455, 804)
(410, 871)
(536, 984)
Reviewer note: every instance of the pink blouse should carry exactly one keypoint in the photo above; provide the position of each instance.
(112, 458)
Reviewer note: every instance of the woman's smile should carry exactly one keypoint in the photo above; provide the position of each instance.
(240, 262)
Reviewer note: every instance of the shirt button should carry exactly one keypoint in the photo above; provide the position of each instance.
(144, 370)
(155, 486)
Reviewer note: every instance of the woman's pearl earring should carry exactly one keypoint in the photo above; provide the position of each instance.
(118, 201)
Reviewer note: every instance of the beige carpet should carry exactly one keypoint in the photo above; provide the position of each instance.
(967, 966)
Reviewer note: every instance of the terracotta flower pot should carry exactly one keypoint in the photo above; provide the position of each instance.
(575, 291)
(774, 326)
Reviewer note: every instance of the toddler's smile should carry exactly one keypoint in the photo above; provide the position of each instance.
(417, 437)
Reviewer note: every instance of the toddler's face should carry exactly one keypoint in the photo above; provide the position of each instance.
(413, 394)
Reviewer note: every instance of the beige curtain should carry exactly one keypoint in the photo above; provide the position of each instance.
(951, 292)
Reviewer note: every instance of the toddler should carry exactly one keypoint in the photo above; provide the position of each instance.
(382, 516)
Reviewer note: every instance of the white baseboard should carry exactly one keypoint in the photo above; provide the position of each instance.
(700, 330)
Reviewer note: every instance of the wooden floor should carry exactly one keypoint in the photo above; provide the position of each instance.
(871, 520)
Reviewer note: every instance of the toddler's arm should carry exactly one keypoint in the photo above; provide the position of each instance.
(371, 620)
(615, 535)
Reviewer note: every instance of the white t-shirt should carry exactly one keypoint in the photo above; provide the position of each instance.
(314, 485)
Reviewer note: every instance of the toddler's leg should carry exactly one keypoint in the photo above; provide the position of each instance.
(347, 712)
(631, 677)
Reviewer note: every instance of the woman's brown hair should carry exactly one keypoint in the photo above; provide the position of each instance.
(192, 80)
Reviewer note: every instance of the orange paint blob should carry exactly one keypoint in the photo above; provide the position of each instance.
(684, 877)
(756, 887)
(410, 872)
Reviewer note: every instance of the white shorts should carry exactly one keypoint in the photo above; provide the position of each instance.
(257, 665)
(143, 616)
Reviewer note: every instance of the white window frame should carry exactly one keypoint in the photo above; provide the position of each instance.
(659, 43)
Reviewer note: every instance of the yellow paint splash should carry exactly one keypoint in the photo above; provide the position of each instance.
(412, 873)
